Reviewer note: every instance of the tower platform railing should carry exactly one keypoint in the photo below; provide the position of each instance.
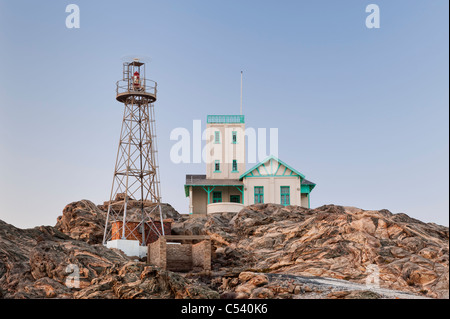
(125, 88)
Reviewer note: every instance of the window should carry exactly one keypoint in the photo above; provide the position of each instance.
(234, 137)
(217, 166)
(217, 197)
(235, 198)
(217, 137)
(284, 191)
(259, 194)
(234, 167)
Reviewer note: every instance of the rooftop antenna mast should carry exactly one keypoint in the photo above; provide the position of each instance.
(241, 92)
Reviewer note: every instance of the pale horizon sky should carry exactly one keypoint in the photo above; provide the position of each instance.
(363, 113)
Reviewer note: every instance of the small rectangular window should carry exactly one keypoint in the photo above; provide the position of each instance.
(234, 137)
(217, 197)
(217, 166)
(234, 168)
(259, 194)
(217, 137)
(235, 199)
(285, 194)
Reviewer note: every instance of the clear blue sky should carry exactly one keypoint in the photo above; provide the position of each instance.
(361, 112)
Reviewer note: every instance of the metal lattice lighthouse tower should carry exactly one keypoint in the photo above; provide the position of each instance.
(135, 192)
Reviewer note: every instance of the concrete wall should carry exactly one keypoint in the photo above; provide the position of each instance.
(305, 202)
(199, 200)
(225, 151)
(225, 208)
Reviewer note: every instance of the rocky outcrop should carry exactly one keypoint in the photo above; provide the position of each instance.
(83, 220)
(43, 262)
(264, 251)
(251, 285)
(135, 280)
(330, 241)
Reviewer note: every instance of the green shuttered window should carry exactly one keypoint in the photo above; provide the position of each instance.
(259, 194)
(285, 195)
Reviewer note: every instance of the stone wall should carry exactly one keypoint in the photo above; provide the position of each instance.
(201, 255)
(156, 254)
(180, 257)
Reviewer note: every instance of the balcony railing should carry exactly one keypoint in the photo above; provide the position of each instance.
(225, 119)
(126, 86)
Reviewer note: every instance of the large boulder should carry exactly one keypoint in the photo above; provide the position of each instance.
(83, 220)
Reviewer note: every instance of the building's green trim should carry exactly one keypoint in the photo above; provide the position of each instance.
(306, 189)
(285, 169)
(186, 187)
(265, 176)
(279, 164)
(265, 168)
(209, 192)
(289, 195)
(242, 192)
(216, 185)
(267, 159)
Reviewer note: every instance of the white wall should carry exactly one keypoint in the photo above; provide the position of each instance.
(225, 151)
(272, 186)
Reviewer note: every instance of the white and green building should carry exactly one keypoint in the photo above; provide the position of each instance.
(228, 187)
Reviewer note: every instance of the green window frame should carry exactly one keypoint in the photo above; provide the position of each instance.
(259, 194)
(233, 137)
(285, 195)
(217, 197)
(235, 198)
(216, 166)
(217, 137)
(234, 167)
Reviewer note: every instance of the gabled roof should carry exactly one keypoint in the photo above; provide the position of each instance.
(307, 186)
(256, 167)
